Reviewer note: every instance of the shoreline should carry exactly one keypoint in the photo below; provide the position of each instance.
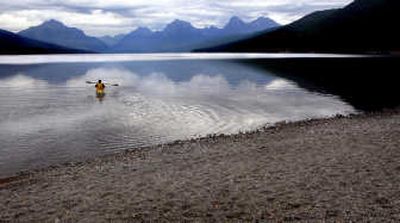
(339, 168)
(26, 173)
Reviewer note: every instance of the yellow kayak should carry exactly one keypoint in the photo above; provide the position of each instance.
(99, 91)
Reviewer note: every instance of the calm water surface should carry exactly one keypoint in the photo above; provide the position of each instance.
(49, 115)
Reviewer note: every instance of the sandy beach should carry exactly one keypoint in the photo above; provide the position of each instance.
(337, 169)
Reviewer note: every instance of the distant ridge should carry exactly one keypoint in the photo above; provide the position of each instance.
(364, 26)
(55, 32)
(182, 36)
(11, 43)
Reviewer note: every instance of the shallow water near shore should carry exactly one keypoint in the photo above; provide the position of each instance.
(49, 115)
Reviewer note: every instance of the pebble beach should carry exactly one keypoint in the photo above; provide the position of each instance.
(338, 169)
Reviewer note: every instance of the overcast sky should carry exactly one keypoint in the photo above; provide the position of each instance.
(100, 17)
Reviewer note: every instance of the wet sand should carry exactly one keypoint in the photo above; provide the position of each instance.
(338, 169)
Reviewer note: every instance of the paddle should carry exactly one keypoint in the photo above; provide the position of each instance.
(95, 82)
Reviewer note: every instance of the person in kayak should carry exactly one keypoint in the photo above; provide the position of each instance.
(100, 90)
(100, 87)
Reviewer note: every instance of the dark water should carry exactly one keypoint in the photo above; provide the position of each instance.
(49, 115)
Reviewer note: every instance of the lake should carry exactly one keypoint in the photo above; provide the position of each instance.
(50, 115)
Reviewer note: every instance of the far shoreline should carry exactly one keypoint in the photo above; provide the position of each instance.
(23, 59)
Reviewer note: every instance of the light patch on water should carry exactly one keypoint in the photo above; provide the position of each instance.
(22, 81)
(92, 58)
(281, 84)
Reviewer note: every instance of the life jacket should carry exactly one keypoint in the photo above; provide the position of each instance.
(100, 87)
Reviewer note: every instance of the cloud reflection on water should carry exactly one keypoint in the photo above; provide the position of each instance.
(207, 99)
(22, 81)
(244, 106)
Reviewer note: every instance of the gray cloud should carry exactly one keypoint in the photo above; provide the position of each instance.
(100, 17)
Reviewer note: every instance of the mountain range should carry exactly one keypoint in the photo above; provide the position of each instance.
(363, 26)
(178, 36)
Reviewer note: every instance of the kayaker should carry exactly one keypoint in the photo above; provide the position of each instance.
(100, 87)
